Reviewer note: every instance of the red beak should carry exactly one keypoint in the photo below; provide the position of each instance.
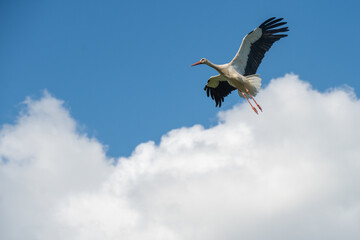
(197, 63)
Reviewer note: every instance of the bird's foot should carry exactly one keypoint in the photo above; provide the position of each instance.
(259, 107)
(255, 110)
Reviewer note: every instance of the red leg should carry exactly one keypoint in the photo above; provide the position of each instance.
(247, 90)
(249, 102)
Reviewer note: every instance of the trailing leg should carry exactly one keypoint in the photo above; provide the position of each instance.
(247, 90)
(240, 92)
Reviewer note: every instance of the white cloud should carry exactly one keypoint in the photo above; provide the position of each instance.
(290, 173)
(42, 161)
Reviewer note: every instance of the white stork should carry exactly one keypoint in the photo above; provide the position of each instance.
(240, 72)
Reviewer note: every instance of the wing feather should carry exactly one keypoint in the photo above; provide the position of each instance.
(218, 88)
(256, 44)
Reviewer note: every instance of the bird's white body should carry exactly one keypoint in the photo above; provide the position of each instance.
(230, 72)
(240, 73)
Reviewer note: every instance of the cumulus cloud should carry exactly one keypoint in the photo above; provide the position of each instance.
(42, 160)
(290, 173)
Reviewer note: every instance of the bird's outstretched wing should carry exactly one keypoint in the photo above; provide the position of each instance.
(256, 44)
(217, 87)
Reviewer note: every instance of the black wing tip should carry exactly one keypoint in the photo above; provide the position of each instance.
(279, 30)
(219, 93)
(266, 21)
(273, 26)
(272, 23)
(284, 29)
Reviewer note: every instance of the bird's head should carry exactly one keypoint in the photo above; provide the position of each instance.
(202, 61)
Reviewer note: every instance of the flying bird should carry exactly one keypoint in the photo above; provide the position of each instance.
(240, 73)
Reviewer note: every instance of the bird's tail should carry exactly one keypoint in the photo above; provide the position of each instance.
(253, 83)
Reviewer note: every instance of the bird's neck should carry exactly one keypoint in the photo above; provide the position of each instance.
(214, 66)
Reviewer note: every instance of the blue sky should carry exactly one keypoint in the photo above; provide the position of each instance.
(122, 67)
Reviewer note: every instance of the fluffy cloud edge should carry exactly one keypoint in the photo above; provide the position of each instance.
(291, 171)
